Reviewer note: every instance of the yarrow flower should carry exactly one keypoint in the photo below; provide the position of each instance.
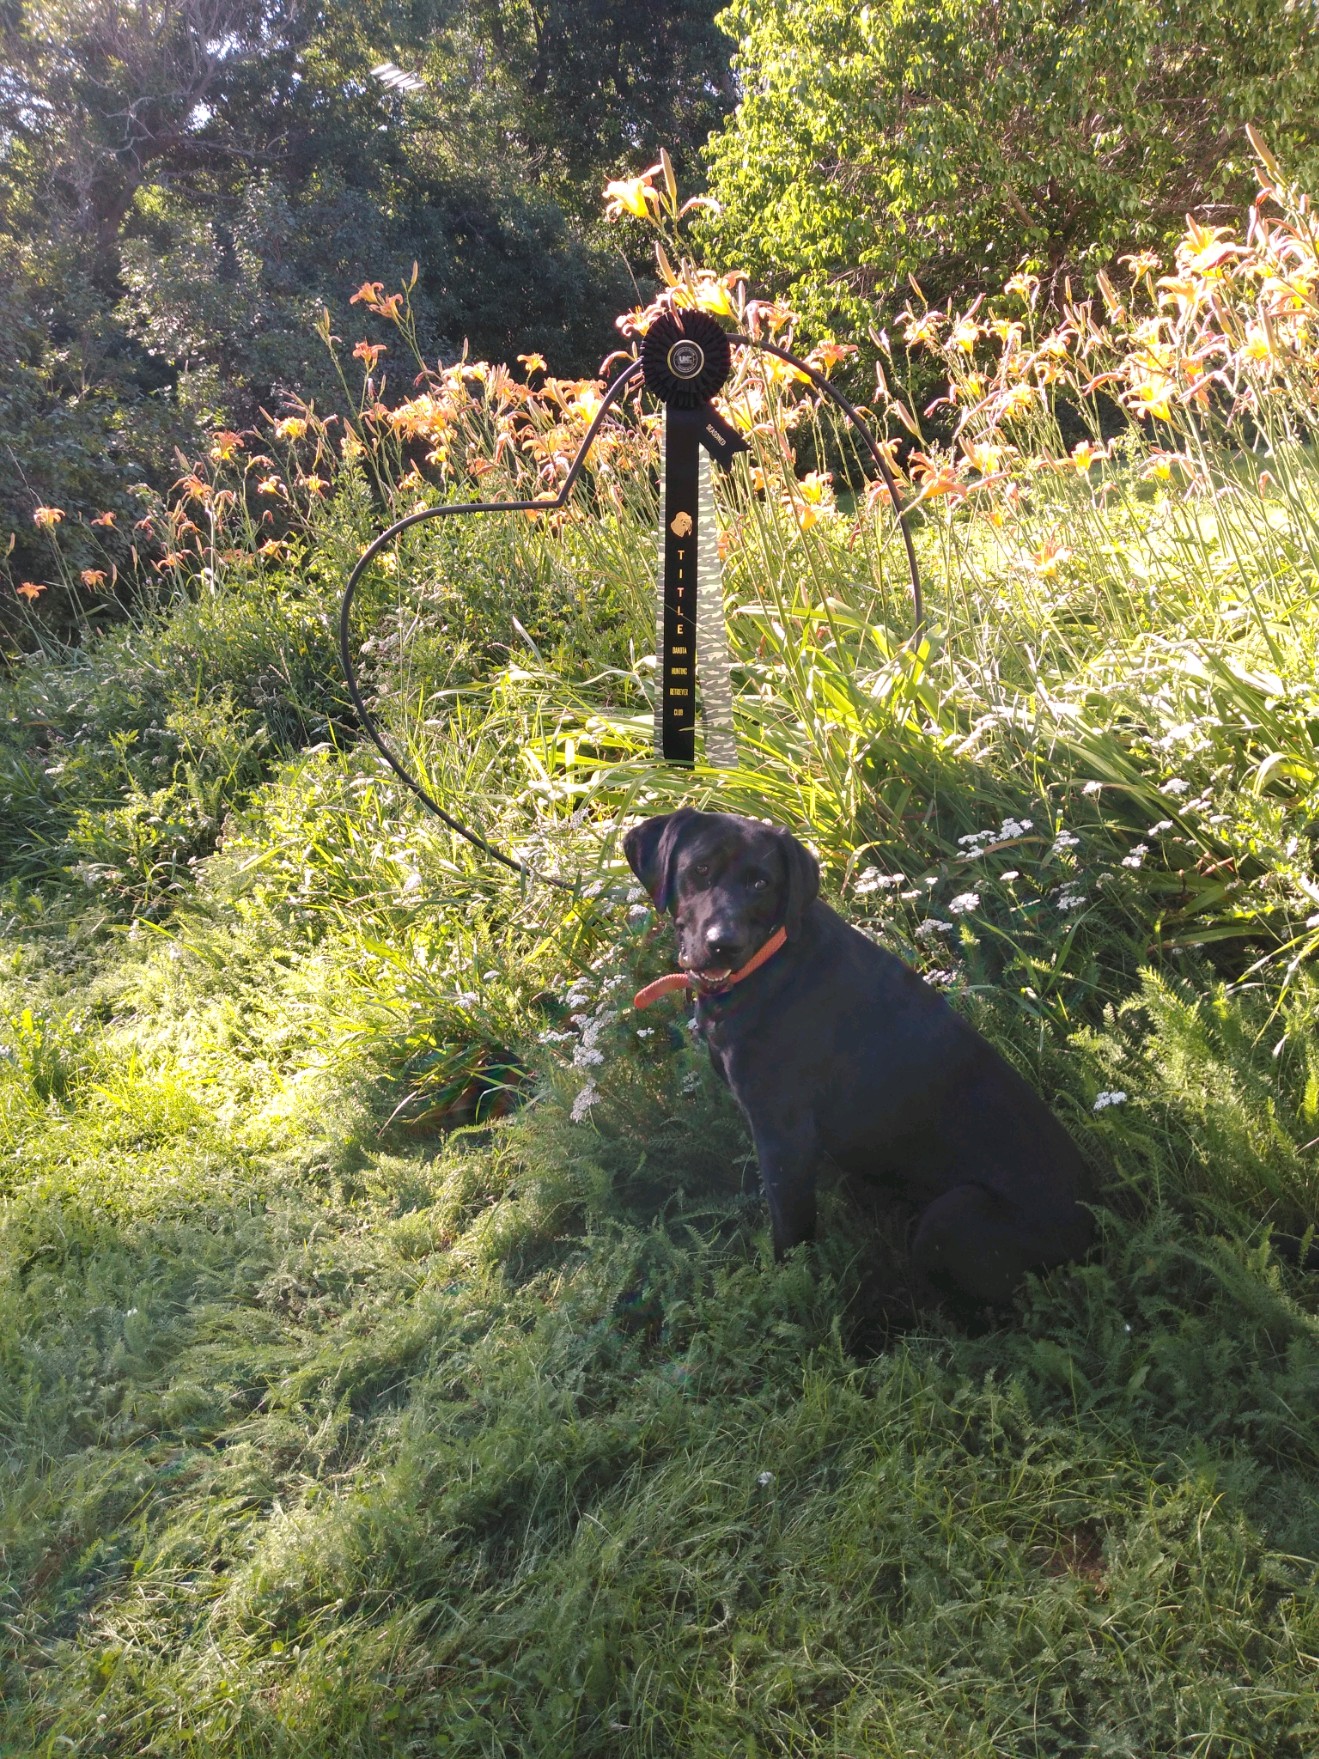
(932, 925)
(584, 1101)
(963, 902)
(978, 842)
(1175, 786)
(872, 880)
(1137, 856)
(1104, 1100)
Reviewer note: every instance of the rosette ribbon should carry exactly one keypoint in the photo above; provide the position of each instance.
(685, 361)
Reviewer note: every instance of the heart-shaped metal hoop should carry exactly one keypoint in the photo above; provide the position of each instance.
(550, 505)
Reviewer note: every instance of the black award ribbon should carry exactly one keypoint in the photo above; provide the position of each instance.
(685, 359)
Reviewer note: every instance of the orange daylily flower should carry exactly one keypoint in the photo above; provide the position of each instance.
(93, 577)
(1153, 396)
(1016, 401)
(936, 479)
(922, 330)
(30, 589)
(1205, 249)
(226, 444)
(369, 352)
(106, 519)
(714, 296)
(827, 355)
(1049, 558)
(47, 516)
(629, 195)
(981, 455)
(368, 294)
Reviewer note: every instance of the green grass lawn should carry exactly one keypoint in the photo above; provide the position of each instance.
(345, 1410)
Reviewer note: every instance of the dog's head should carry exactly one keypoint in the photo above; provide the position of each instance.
(728, 882)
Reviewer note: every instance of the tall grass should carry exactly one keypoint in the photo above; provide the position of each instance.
(391, 1358)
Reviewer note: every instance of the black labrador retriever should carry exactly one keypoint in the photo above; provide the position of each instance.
(833, 1047)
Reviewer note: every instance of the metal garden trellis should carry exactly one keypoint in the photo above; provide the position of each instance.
(685, 359)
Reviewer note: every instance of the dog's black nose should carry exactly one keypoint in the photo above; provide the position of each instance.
(720, 943)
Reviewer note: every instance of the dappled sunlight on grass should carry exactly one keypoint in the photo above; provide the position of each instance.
(391, 1355)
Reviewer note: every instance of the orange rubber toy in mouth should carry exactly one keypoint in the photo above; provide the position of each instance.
(709, 983)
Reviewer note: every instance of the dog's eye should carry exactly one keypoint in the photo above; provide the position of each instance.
(702, 869)
(759, 883)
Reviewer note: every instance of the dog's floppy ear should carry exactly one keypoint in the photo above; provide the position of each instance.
(650, 849)
(803, 882)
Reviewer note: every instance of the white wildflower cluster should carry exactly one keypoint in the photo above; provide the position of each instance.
(1137, 856)
(1104, 1100)
(981, 842)
(1312, 921)
(872, 880)
(932, 926)
(1164, 824)
(1068, 897)
(1188, 736)
(940, 979)
(963, 902)
(1175, 785)
(591, 1015)
(584, 1101)
(1065, 840)
(638, 903)
(1091, 789)
(588, 1054)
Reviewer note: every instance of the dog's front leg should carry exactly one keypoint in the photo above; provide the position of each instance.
(787, 1154)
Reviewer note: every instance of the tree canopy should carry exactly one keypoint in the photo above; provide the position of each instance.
(949, 139)
(184, 184)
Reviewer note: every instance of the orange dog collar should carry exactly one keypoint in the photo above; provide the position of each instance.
(689, 980)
